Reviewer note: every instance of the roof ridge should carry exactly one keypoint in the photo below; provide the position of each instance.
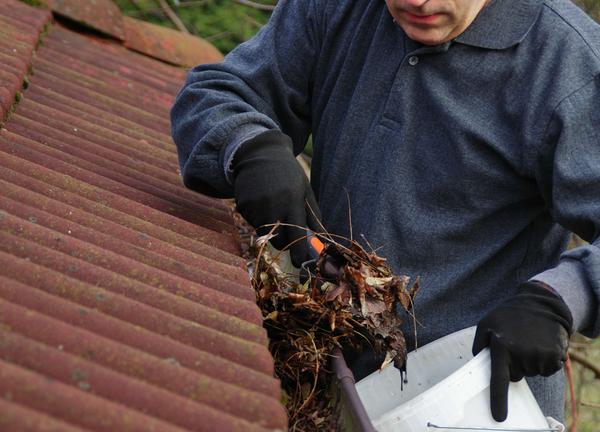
(155, 41)
(22, 34)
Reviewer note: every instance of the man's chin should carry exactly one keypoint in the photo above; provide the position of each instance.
(428, 37)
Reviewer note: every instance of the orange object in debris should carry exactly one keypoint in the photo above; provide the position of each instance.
(316, 244)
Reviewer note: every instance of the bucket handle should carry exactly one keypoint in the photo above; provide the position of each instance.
(432, 426)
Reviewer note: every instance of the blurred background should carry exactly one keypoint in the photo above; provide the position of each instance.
(227, 23)
(224, 23)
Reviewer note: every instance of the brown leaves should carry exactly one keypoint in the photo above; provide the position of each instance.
(352, 301)
(368, 290)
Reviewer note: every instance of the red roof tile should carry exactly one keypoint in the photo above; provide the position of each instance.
(168, 45)
(20, 27)
(16, 417)
(101, 15)
(162, 43)
(124, 303)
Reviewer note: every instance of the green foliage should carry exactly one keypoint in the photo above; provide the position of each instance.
(587, 387)
(224, 23)
(33, 2)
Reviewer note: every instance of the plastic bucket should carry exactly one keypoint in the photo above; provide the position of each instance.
(447, 391)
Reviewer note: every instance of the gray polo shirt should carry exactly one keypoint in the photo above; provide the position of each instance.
(465, 163)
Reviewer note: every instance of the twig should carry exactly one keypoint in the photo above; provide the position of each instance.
(255, 5)
(300, 158)
(413, 314)
(323, 232)
(173, 16)
(316, 374)
(367, 242)
(578, 358)
(569, 371)
(590, 404)
(580, 379)
(217, 36)
(582, 345)
(350, 214)
(252, 21)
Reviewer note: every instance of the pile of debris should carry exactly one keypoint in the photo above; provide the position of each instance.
(350, 300)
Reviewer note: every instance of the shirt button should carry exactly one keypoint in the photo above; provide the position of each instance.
(413, 60)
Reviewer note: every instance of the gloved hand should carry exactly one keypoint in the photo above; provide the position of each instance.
(528, 335)
(270, 186)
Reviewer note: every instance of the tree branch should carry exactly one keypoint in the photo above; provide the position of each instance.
(578, 358)
(569, 372)
(173, 16)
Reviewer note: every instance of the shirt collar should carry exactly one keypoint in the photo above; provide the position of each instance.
(501, 24)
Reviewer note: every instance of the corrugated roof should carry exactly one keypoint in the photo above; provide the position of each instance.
(124, 303)
(101, 15)
(19, 31)
(162, 43)
(168, 45)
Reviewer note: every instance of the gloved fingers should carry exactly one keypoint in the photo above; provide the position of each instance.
(499, 380)
(287, 237)
(246, 212)
(539, 361)
(516, 375)
(279, 241)
(482, 339)
(550, 371)
(257, 213)
(264, 223)
(313, 213)
(299, 252)
(551, 366)
(330, 267)
(296, 237)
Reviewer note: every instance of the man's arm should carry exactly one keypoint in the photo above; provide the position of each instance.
(568, 172)
(264, 84)
(528, 333)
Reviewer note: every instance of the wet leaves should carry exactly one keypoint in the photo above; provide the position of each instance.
(350, 301)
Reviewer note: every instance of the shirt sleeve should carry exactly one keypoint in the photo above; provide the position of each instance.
(568, 171)
(263, 84)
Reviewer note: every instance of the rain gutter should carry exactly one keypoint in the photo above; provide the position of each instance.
(352, 415)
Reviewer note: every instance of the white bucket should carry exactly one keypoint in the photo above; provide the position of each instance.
(447, 391)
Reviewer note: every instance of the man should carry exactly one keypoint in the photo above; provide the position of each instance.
(465, 133)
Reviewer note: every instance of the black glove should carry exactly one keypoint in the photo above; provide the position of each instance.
(528, 335)
(270, 186)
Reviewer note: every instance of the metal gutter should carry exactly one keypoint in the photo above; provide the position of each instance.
(352, 415)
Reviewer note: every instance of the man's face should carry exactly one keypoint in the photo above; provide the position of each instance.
(433, 22)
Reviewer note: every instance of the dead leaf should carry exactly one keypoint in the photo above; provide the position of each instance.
(353, 302)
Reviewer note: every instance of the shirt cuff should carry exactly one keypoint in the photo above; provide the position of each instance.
(569, 281)
(238, 137)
